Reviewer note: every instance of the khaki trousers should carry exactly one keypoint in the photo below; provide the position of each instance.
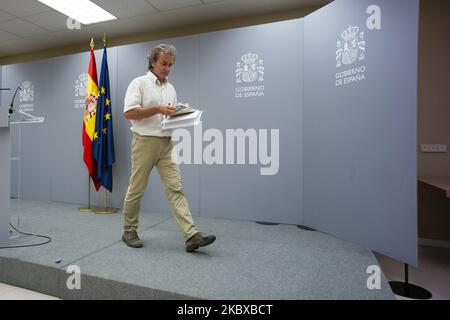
(147, 152)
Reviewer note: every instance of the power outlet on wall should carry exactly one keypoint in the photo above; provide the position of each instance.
(433, 148)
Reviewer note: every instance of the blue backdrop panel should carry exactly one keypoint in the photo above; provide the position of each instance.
(49, 163)
(360, 129)
(32, 143)
(328, 104)
(251, 78)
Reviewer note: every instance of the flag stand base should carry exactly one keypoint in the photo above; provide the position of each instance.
(102, 210)
(105, 209)
(408, 290)
(96, 210)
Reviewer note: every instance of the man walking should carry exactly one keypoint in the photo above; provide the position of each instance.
(148, 99)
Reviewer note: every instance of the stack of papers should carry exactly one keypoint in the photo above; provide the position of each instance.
(182, 108)
(184, 116)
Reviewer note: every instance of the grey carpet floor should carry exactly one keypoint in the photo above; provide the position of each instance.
(248, 260)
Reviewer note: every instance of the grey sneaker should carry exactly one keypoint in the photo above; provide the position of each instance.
(131, 238)
(199, 240)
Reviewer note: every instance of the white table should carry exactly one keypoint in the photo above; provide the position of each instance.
(441, 183)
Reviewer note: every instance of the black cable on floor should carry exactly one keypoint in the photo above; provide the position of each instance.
(28, 234)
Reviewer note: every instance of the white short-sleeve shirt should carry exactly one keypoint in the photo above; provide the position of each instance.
(144, 91)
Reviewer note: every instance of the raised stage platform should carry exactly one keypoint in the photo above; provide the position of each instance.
(248, 260)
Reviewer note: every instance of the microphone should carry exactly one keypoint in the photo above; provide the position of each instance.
(11, 109)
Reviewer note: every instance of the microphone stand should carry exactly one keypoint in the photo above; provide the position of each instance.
(11, 108)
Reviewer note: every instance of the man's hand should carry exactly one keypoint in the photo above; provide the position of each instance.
(166, 109)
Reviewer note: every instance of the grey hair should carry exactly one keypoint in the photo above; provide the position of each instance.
(154, 53)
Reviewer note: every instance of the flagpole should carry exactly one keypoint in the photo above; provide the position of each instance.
(88, 208)
(105, 208)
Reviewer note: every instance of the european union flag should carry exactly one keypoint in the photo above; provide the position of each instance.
(103, 144)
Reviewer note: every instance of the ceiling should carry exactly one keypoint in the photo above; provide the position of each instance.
(28, 26)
